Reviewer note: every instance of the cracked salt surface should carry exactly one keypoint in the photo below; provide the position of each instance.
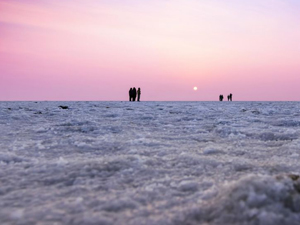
(150, 163)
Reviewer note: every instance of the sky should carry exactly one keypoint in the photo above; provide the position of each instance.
(71, 50)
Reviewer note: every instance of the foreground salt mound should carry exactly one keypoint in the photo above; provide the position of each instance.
(259, 200)
(152, 163)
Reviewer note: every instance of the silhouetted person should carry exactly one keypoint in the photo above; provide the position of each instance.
(138, 94)
(230, 97)
(130, 94)
(221, 98)
(133, 94)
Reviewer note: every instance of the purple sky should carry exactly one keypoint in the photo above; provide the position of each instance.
(97, 50)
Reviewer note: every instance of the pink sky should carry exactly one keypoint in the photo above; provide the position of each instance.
(97, 50)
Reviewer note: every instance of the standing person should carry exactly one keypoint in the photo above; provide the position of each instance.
(139, 94)
(133, 94)
(130, 94)
(221, 98)
(230, 97)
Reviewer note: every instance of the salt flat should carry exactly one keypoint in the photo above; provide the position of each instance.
(150, 163)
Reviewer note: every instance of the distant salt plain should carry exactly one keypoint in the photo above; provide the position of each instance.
(156, 163)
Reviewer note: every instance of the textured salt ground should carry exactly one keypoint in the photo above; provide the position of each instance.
(149, 163)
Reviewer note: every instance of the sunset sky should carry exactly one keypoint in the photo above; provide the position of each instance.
(97, 50)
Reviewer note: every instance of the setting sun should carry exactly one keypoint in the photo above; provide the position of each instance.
(195, 88)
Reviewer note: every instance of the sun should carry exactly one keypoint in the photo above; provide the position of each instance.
(195, 88)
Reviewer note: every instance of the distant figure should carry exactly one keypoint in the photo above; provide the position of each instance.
(221, 98)
(133, 94)
(130, 94)
(230, 97)
(138, 94)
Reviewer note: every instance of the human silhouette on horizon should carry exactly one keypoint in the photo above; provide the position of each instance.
(221, 98)
(130, 94)
(230, 97)
(138, 94)
(133, 94)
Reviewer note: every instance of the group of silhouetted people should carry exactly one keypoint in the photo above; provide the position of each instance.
(133, 93)
(229, 97)
(136, 95)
